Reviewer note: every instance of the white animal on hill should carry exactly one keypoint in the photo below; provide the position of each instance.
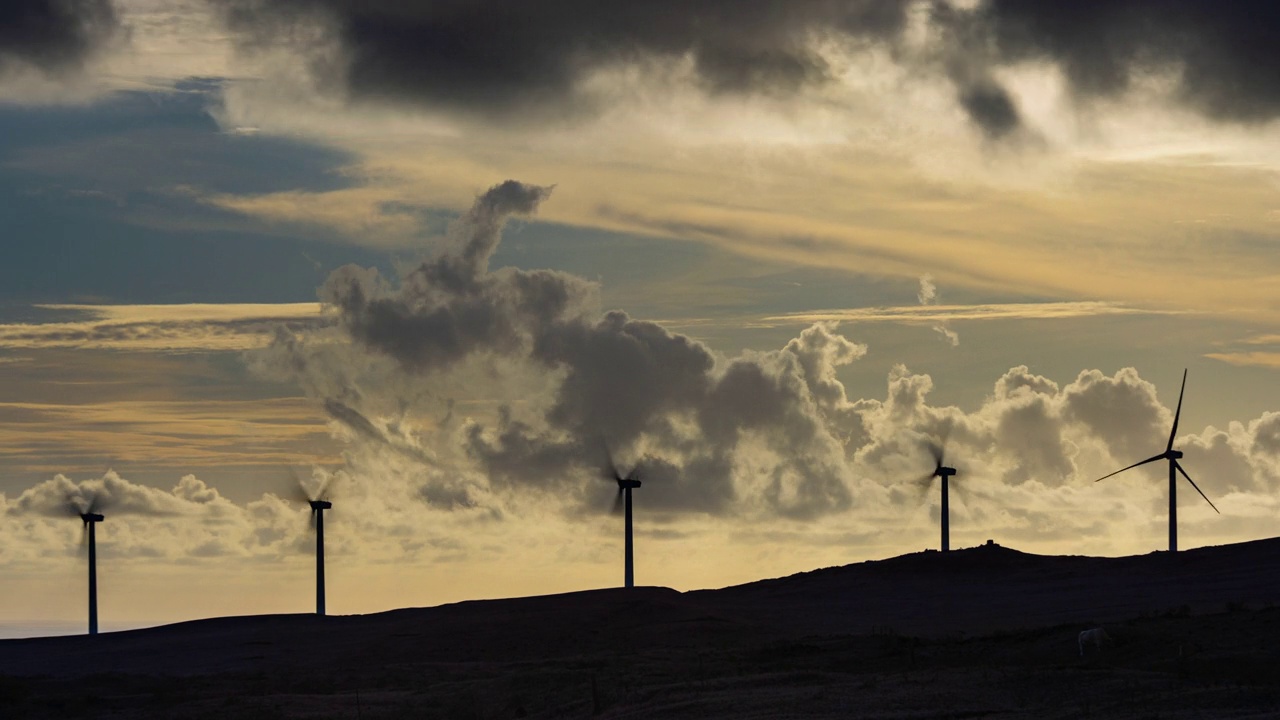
(1094, 637)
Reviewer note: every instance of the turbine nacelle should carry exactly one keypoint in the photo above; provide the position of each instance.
(91, 517)
(627, 484)
(1173, 454)
(944, 471)
(318, 505)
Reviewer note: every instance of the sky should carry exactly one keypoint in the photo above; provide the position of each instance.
(445, 259)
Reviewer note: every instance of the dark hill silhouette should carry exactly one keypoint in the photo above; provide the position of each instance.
(985, 631)
(991, 588)
(970, 591)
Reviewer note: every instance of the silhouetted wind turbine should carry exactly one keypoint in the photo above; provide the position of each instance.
(88, 534)
(1174, 468)
(942, 471)
(317, 520)
(319, 503)
(623, 503)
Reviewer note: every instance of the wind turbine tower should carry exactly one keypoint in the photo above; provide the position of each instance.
(317, 518)
(317, 498)
(1175, 467)
(625, 486)
(945, 474)
(622, 503)
(940, 470)
(91, 520)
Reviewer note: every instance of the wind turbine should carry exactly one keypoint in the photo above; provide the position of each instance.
(88, 534)
(319, 502)
(1175, 467)
(941, 471)
(317, 521)
(623, 503)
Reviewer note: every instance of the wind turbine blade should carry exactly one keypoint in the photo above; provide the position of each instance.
(84, 537)
(313, 518)
(922, 486)
(1197, 487)
(1178, 413)
(617, 503)
(935, 450)
(1144, 462)
(608, 468)
(323, 492)
(298, 491)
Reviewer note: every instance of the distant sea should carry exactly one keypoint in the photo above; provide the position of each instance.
(49, 628)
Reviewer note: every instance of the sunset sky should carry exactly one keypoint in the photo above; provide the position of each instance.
(440, 254)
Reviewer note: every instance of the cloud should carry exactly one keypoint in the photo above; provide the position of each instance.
(366, 212)
(78, 435)
(517, 64)
(451, 306)
(189, 521)
(1215, 52)
(697, 422)
(194, 522)
(494, 57)
(928, 290)
(1026, 458)
(393, 437)
(928, 295)
(1208, 54)
(1248, 359)
(547, 380)
(163, 328)
(1034, 443)
(1268, 358)
(112, 494)
(985, 311)
(991, 108)
(54, 36)
(948, 335)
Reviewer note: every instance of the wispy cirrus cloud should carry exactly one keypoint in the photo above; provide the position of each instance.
(946, 313)
(1248, 359)
(1246, 352)
(163, 328)
(60, 437)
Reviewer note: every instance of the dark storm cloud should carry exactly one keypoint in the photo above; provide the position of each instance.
(492, 55)
(54, 35)
(990, 107)
(660, 398)
(451, 306)
(1225, 53)
(519, 61)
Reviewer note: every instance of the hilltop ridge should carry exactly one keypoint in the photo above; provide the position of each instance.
(985, 632)
(983, 589)
(990, 588)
